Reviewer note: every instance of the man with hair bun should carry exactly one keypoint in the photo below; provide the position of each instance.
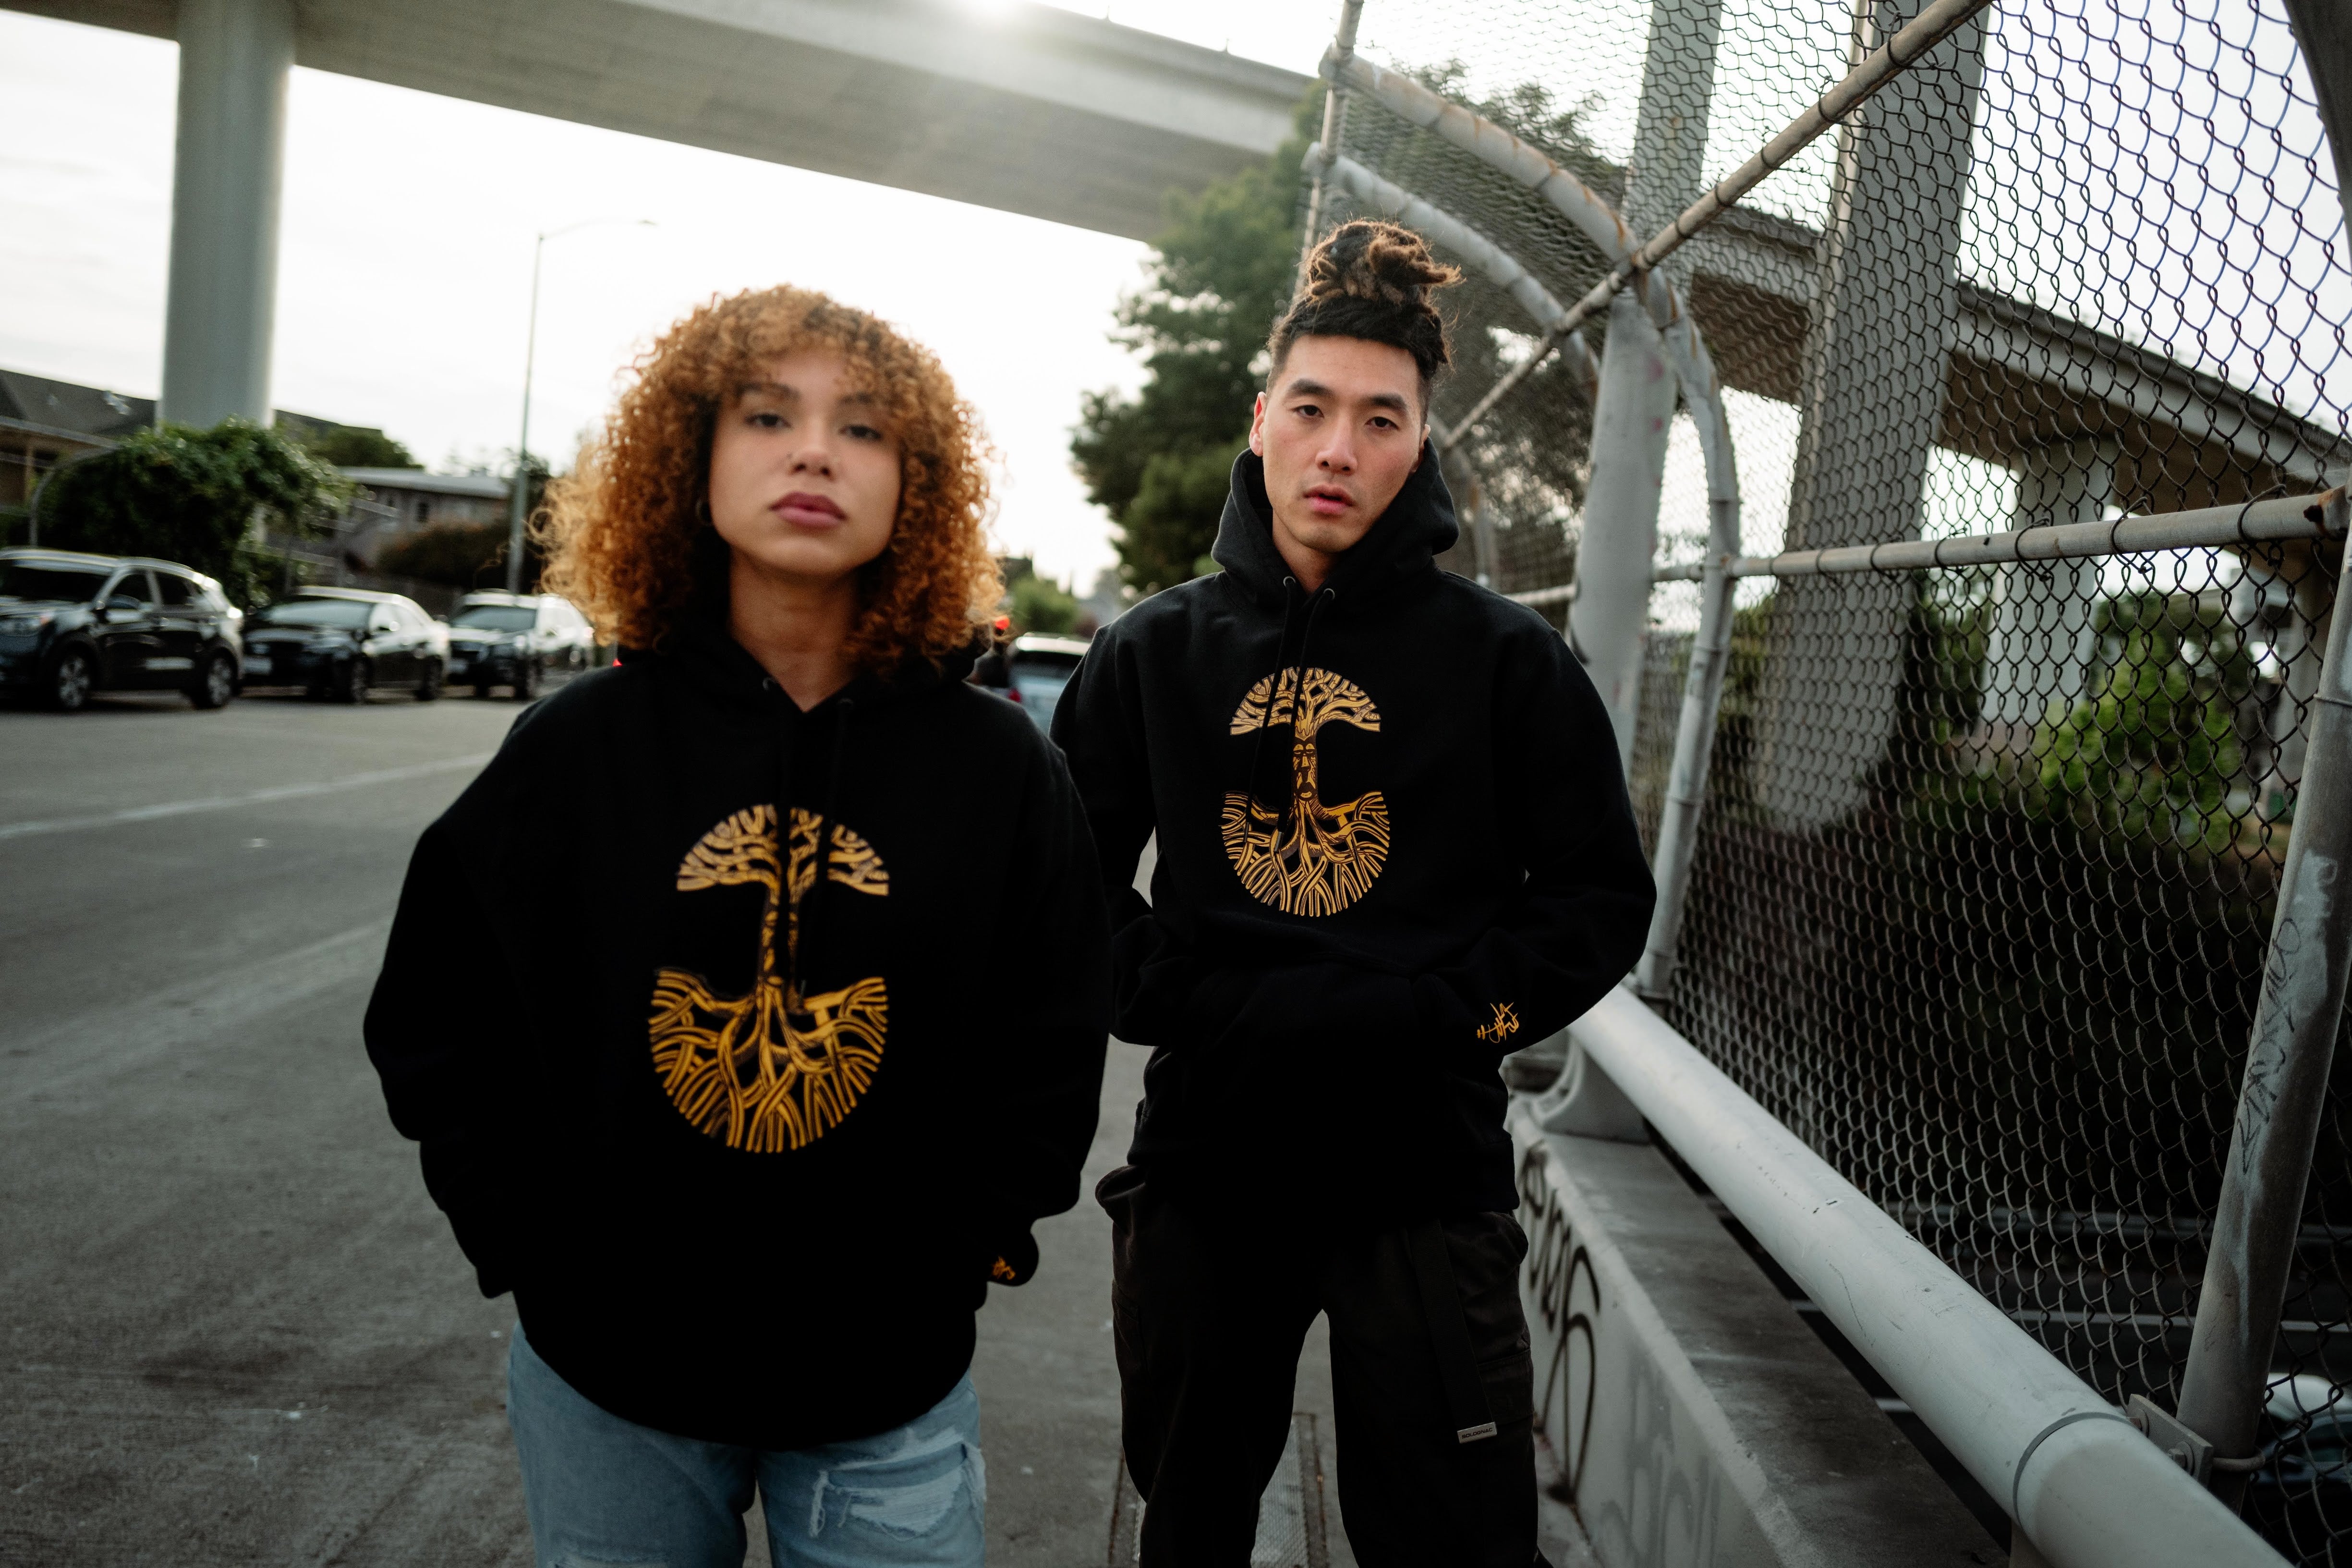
(1394, 845)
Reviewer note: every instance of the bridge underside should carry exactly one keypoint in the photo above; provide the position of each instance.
(2019, 379)
(1036, 110)
(1028, 109)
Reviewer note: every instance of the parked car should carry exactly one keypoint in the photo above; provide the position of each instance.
(517, 641)
(72, 624)
(2303, 1491)
(343, 643)
(1031, 670)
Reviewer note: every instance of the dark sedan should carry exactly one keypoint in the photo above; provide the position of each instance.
(2303, 1492)
(520, 641)
(72, 624)
(1031, 670)
(342, 643)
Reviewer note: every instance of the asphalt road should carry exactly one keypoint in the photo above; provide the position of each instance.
(237, 1332)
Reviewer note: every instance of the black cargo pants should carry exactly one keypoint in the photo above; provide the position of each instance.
(1211, 1305)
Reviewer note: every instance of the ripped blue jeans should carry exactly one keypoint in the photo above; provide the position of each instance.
(602, 1490)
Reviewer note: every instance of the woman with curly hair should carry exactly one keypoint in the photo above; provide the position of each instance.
(683, 1001)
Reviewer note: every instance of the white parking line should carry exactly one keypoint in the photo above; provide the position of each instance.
(227, 801)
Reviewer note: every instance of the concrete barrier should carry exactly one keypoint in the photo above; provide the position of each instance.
(1690, 1417)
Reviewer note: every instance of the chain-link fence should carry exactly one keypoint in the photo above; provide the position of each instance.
(1988, 855)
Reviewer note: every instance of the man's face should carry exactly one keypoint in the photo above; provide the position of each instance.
(1340, 432)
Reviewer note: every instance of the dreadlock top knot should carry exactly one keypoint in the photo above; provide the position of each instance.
(1365, 261)
(1371, 281)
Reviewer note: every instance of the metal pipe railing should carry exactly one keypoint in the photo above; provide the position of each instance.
(2283, 1092)
(2083, 1486)
(2207, 528)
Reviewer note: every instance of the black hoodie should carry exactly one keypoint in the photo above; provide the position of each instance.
(1355, 915)
(726, 1212)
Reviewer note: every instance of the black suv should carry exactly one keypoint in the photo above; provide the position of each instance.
(342, 643)
(72, 624)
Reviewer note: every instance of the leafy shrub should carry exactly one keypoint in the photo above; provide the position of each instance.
(2156, 749)
(194, 496)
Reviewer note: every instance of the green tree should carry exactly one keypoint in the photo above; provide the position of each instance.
(2156, 750)
(193, 496)
(356, 446)
(1041, 605)
(1219, 275)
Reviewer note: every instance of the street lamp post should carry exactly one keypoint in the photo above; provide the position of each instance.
(519, 497)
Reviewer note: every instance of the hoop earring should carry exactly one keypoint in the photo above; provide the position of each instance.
(702, 510)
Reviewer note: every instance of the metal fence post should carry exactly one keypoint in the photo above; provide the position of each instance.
(1343, 43)
(2285, 1086)
(1703, 688)
(2284, 1090)
(1686, 775)
(1470, 505)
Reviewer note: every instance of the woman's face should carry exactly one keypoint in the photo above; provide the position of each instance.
(803, 471)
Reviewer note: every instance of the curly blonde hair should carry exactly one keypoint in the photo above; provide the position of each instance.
(620, 531)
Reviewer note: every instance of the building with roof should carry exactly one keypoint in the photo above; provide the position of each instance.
(44, 423)
(394, 504)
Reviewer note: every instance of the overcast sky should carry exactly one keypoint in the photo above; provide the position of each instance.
(404, 275)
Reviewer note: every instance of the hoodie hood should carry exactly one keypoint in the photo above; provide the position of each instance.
(1397, 551)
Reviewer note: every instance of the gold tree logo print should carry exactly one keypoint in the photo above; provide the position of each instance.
(773, 1070)
(1313, 859)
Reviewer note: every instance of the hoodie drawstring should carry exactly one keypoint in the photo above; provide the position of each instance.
(1298, 704)
(805, 917)
(1291, 672)
(1273, 691)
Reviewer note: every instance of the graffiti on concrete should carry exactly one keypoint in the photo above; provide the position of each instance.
(1634, 1463)
(1564, 1297)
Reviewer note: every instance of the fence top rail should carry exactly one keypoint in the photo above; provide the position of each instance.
(2282, 518)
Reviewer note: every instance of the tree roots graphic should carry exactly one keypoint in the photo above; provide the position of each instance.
(769, 1070)
(1312, 859)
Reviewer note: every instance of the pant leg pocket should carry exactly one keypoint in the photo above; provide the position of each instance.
(1488, 1250)
(1115, 1192)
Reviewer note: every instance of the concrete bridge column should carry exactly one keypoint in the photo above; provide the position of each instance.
(1670, 125)
(2038, 654)
(1871, 392)
(222, 307)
